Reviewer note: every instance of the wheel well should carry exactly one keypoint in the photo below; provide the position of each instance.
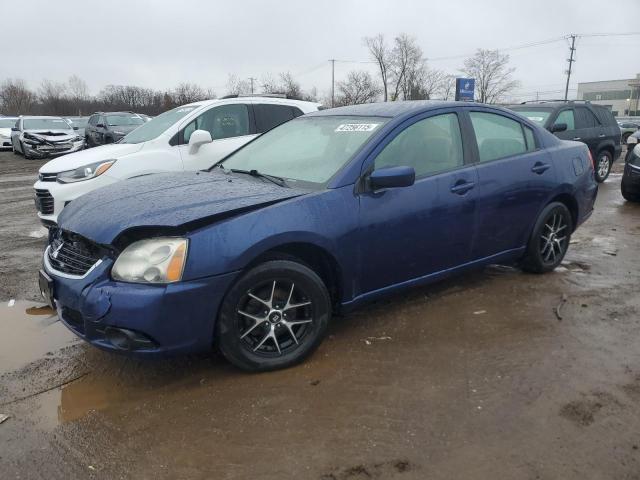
(607, 148)
(314, 257)
(571, 204)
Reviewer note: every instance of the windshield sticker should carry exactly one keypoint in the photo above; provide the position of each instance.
(356, 127)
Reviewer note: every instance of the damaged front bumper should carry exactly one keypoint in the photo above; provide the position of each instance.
(45, 149)
(138, 319)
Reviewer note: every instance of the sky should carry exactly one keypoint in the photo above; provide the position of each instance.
(161, 43)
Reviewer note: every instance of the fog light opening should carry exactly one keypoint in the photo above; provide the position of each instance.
(124, 339)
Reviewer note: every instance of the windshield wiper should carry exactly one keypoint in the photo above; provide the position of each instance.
(255, 173)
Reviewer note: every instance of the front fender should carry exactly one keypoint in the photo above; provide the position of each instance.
(327, 219)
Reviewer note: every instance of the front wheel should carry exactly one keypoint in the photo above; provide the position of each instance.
(628, 196)
(273, 317)
(603, 166)
(549, 241)
(24, 152)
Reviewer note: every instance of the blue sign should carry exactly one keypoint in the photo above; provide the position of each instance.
(464, 89)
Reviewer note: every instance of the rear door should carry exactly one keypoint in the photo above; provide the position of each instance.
(589, 129)
(407, 233)
(515, 177)
(230, 127)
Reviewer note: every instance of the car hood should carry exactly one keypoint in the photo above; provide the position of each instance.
(52, 135)
(85, 157)
(167, 200)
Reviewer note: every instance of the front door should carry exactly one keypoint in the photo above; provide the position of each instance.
(230, 128)
(410, 232)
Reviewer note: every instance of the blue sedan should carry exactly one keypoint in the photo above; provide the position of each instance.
(319, 215)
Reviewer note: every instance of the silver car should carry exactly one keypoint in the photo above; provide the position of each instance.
(41, 137)
(6, 124)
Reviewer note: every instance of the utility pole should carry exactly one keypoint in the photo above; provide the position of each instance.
(333, 80)
(251, 79)
(570, 60)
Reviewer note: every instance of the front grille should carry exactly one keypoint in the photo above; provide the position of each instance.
(44, 201)
(72, 254)
(48, 177)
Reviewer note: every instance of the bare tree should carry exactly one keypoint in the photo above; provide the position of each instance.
(52, 96)
(235, 86)
(16, 98)
(448, 87)
(190, 92)
(490, 68)
(269, 84)
(78, 89)
(406, 59)
(291, 88)
(381, 54)
(359, 87)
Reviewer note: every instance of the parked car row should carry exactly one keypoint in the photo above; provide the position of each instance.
(251, 243)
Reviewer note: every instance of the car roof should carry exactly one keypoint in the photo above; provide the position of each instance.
(39, 117)
(390, 109)
(262, 99)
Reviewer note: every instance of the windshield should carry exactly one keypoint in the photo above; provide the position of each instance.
(45, 123)
(7, 122)
(156, 126)
(120, 120)
(308, 149)
(538, 115)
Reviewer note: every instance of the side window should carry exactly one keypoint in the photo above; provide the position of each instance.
(430, 146)
(567, 116)
(497, 136)
(225, 121)
(270, 116)
(296, 112)
(91, 120)
(586, 119)
(531, 139)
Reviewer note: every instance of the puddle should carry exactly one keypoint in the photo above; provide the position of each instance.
(28, 331)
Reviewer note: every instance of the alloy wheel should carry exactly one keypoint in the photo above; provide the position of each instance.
(274, 318)
(554, 238)
(603, 166)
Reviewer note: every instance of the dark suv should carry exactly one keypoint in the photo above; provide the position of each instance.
(109, 127)
(592, 124)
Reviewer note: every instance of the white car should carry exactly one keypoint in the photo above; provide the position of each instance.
(190, 137)
(6, 124)
(41, 137)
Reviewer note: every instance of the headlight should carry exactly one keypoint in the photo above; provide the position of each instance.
(86, 172)
(157, 260)
(30, 139)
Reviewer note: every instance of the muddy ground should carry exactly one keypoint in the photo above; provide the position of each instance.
(480, 377)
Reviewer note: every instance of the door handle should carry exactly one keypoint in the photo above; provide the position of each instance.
(462, 188)
(577, 138)
(540, 168)
(602, 135)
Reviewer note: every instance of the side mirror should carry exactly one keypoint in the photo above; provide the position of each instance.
(558, 127)
(76, 128)
(15, 129)
(197, 139)
(392, 177)
(99, 125)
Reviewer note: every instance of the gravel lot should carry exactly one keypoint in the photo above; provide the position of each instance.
(498, 374)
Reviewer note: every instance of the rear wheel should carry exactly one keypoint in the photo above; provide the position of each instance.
(549, 241)
(603, 166)
(273, 317)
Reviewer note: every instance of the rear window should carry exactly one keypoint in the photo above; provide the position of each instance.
(537, 115)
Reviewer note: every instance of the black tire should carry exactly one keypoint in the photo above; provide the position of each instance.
(550, 239)
(87, 141)
(15, 150)
(625, 136)
(628, 196)
(603, 166)
(108, 140)
(265, 337)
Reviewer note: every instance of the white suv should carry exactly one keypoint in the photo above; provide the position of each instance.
(190, 137)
